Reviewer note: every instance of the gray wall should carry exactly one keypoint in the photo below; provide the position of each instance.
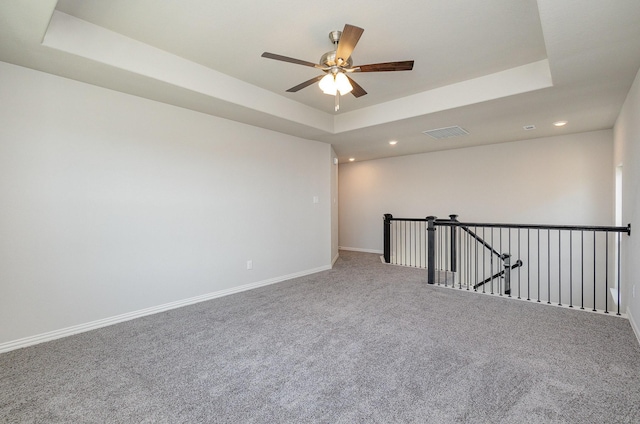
(557, 180)
(113, 204)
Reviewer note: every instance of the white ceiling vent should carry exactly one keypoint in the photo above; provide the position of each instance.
(448, 132)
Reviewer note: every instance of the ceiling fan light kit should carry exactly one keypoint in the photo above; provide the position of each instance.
(336, 64)
(330, 84)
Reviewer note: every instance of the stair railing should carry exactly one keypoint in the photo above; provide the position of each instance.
(503, 271)
(574, 266)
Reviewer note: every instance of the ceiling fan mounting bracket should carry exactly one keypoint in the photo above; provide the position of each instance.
(334, 36)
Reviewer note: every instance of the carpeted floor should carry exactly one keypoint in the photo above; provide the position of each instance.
(364, 342)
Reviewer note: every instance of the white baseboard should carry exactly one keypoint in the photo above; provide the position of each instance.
(81, 328)
(635, 327)
(335, 258)
(356, 249)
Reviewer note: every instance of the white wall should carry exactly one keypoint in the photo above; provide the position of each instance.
(334, 207)
(557, 180)
(111, 204)
(627, 153)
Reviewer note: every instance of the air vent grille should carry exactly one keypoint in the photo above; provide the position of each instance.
(447, 132)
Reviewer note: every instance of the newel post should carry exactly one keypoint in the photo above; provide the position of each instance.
(454, 261)
(431, 249)
(507, 273)
(387, 237)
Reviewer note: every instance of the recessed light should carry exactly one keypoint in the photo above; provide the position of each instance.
(352, 159)
(560, 123)
(393, 142)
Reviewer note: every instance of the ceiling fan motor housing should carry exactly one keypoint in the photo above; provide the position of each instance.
(328, 60)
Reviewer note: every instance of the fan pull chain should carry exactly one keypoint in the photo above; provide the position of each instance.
(337, 108)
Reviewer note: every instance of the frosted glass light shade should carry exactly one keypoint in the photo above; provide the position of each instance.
(328, 85)
(342, 84)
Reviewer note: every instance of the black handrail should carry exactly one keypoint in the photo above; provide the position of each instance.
(453, 218)
(626, 229)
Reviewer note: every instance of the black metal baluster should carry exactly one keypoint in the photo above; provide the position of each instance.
(399, 252)
(484, 262)
(594, 271)
(407, 244)
(446, 254)
(459, 253)
(538, 265)
(392, 236)
(464, 257)
(416, 246)
(491, 266)
(510, 254)
(399, 242)
(549, 267)
(501, 252)
(407, 241)
(439, 233)
(419, 245)
(582, 269)
(415, 243)
(408, 263)
(528, 264)
(619, 235)
(422, 249)
(571, 269)
(394, 252)
(475, 230)
(469, 267)
(606, 273)
(426, 250)
(407, 235)
(559, 267)
(400, 233)
(519, 268)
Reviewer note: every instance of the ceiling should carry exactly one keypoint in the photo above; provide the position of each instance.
(490, 67)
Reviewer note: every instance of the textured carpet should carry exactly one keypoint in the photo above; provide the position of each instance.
(364, 342)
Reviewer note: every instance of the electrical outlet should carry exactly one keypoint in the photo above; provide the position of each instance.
(249, 264)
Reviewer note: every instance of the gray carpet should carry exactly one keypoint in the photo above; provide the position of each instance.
(364, 342)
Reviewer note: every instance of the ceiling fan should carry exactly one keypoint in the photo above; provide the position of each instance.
(337, 64)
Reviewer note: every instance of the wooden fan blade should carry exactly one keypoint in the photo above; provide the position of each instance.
(290, 60)
(407, 65)
(357, 90)
(305, 84)
(348, 40)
